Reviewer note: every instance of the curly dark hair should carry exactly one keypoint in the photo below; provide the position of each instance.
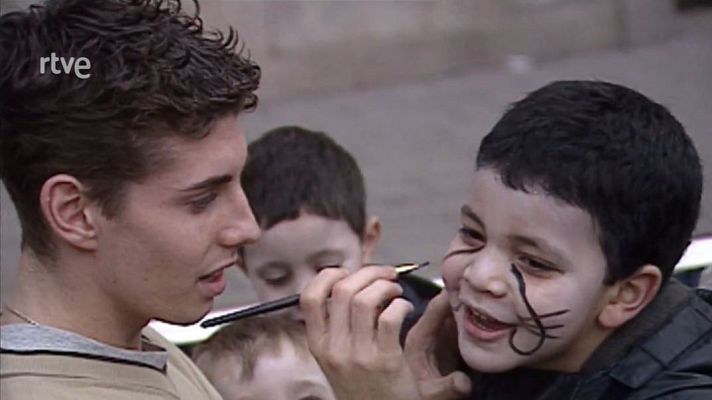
(612, 152)
(155, 73)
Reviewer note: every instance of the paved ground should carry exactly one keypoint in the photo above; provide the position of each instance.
(416, 143)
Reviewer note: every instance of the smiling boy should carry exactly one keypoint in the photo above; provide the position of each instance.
(127, 186)
(584, 198)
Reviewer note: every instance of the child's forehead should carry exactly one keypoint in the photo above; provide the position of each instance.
(488, 185)
(309, 225)
(283, 350)
(527, 216)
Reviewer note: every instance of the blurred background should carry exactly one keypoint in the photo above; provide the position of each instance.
(411, 86)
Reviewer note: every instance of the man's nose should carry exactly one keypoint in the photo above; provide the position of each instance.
(241, 227)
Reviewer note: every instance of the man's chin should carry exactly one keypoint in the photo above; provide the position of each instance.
(186, 318)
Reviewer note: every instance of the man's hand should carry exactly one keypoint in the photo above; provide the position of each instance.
(432, 353)
(354, 338)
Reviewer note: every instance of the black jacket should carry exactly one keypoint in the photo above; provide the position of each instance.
(663, 353)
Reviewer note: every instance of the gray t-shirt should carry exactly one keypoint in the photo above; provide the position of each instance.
(26, 338)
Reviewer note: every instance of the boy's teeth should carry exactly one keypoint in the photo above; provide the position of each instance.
(488, 323)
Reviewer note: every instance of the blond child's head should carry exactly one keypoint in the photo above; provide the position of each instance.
(262, 358)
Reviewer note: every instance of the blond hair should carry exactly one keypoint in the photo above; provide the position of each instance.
(247, 340)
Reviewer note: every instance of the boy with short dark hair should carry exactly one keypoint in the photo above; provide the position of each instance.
(264, 357)
(309, 197)
(584, 198)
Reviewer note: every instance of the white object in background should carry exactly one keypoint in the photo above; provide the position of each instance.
(698, 254)
(182, 335)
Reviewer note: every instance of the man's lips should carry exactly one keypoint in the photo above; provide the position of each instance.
(217, 273)
(214, 283)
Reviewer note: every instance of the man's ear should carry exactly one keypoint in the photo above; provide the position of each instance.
(629, 296)
(70, 215)
(371, 236)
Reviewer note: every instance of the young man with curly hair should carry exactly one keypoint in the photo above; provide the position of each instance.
(127, 186)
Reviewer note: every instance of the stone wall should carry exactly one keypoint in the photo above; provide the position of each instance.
(311, 47)
(321, 46)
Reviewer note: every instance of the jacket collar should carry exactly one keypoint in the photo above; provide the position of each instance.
(681, 330)
(672, 298)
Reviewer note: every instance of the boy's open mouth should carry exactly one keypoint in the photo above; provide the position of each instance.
(485, 321)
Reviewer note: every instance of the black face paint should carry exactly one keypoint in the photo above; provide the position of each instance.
(537, 327)
(532, 323)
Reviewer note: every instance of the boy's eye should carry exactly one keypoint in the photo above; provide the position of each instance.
(470, 236)
(277, 281)
(201, 204)
(276, 278)
(536, 265)
(324, 266)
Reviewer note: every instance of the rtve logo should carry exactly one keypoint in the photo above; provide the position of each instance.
(80, 64)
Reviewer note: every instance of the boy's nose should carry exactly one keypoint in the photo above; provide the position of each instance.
(488, 276)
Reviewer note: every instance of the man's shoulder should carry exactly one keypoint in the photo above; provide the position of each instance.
(71, 375)
(39, 375)
(183, 373)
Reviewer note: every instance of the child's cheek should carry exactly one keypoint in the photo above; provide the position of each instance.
(452, 275)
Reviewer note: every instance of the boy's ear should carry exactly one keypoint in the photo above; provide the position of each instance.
(627, 297)
(371, 236)
(71, 216)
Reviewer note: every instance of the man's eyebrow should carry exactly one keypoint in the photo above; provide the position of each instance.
(466, 211)
(209, 183)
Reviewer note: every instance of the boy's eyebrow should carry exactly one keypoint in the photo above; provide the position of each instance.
(272, 265)
(540, 243)
(323, 253)
(209, 183)
(466, 211)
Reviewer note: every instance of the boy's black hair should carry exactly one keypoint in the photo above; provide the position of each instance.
(614, 153)
(291, 169)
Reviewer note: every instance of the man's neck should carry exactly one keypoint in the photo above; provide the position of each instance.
(63, 295)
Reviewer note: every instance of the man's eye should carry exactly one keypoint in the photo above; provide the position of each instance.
(202, 203)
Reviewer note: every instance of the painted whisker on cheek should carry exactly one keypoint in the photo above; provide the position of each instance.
(547, 315)
(533, 326)
(539, 329)
(538, 333)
